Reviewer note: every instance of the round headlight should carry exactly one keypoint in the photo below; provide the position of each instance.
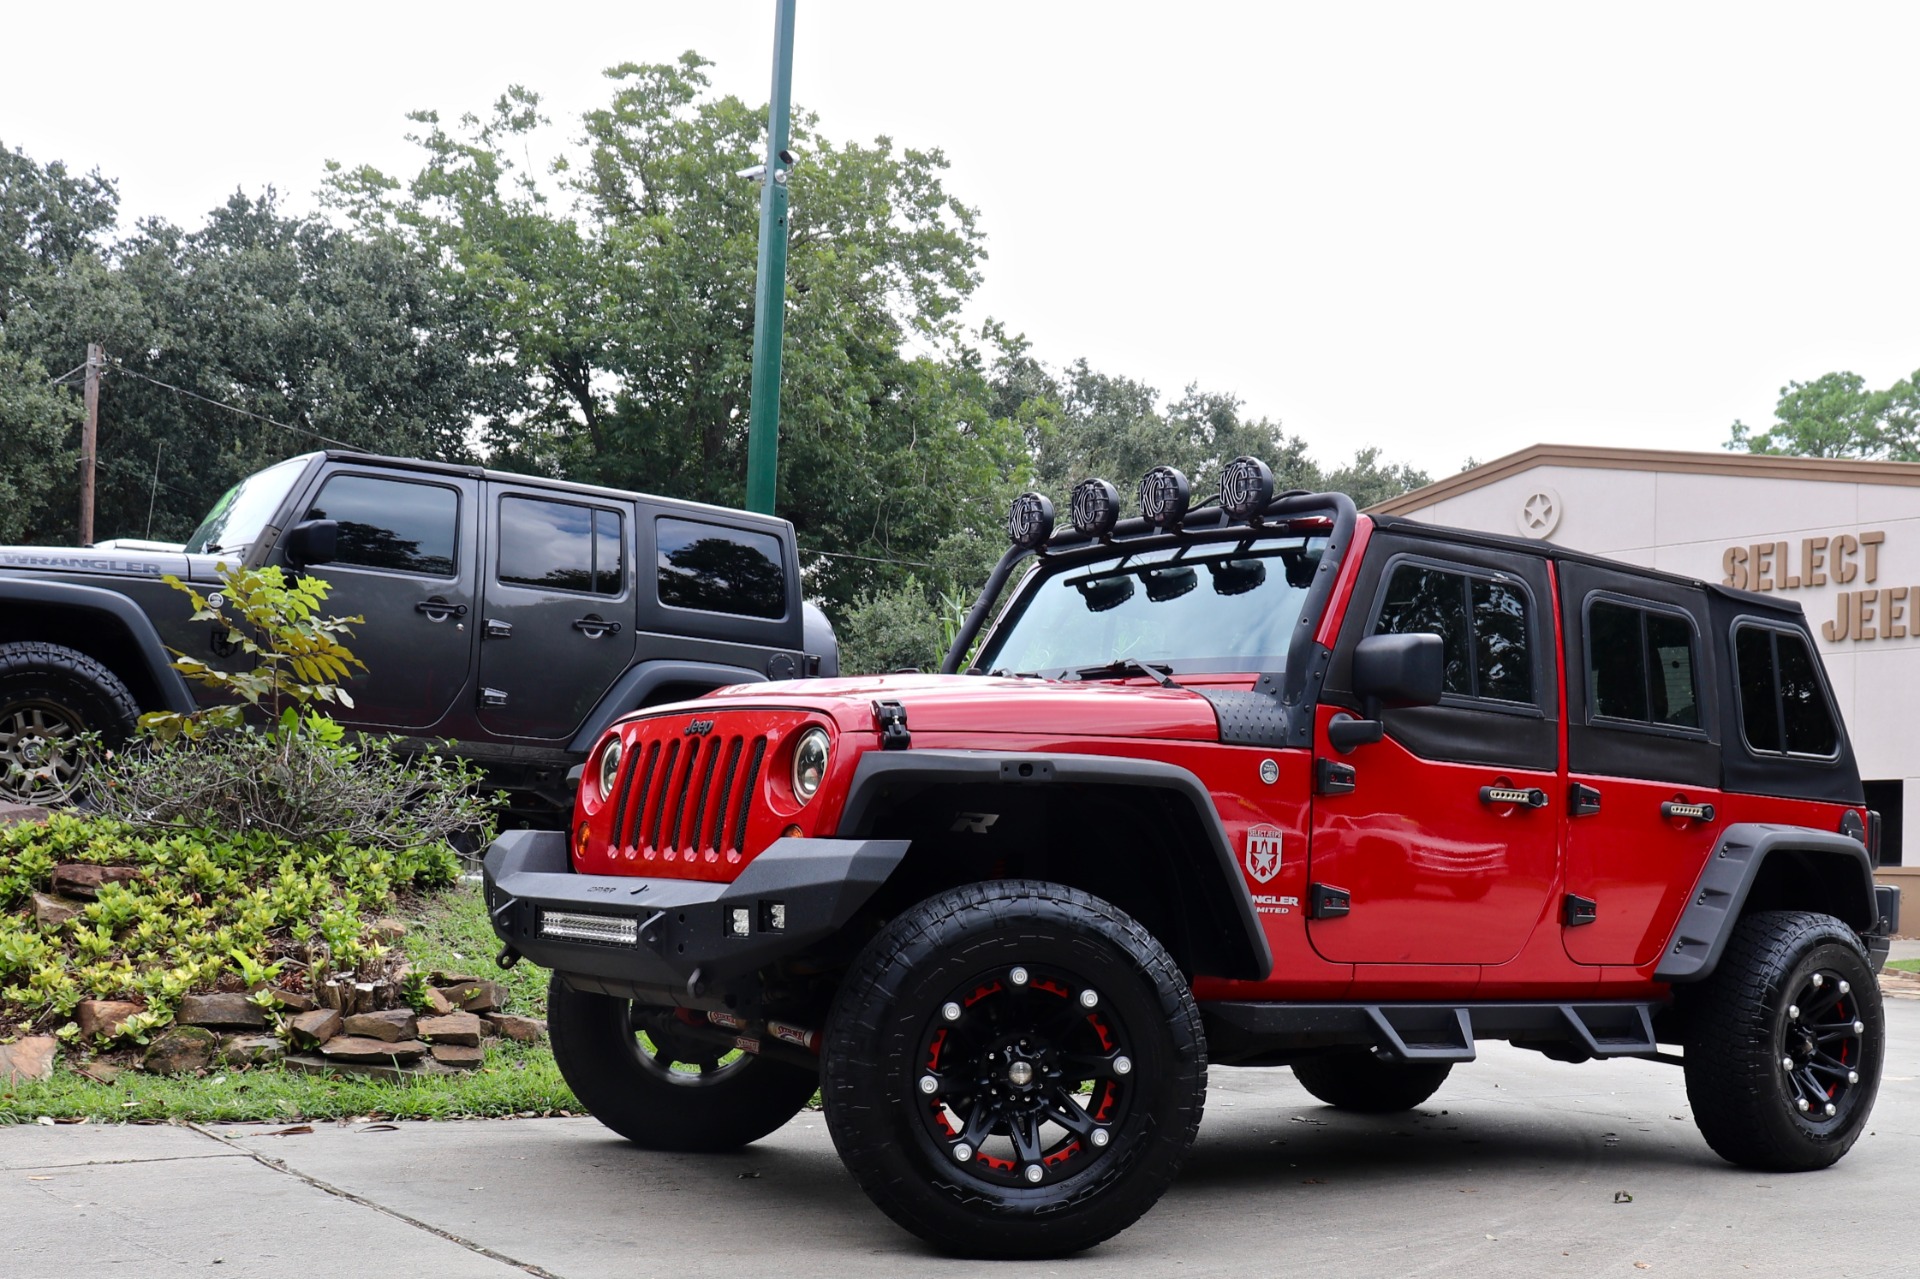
(809, 763)
(1163, 497)
(1030, 520)
(609, 767)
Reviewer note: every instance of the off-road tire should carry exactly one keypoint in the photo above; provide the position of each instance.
(49, 684)
(1361, 1081)
(599, 1053)
(1741, 1031)
(1010, 941)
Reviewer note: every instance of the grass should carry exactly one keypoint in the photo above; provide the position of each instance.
(447, 932)
(1905, 965)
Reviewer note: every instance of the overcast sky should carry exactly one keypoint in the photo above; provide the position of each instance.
(1447, 230)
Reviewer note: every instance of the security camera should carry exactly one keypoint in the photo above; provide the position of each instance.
(789, 158)
(753, 172)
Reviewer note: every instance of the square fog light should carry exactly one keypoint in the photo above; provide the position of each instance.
(773, 917)
(739, 921)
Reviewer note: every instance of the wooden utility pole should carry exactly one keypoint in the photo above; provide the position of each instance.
(89, 439)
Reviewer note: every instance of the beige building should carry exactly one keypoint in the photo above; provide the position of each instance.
(1839, 538)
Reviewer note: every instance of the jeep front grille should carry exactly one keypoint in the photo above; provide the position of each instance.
(687, 796)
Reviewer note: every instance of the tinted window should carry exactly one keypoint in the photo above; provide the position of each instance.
(721, 570)
(391, 524)
(560, 546)
(1640, 665)
(1781, 697)
(1482, 624)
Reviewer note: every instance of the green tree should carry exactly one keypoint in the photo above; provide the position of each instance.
(1837, 415)
(36, 466)
(48, 217)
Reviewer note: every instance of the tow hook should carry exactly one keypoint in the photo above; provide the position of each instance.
(507, 958)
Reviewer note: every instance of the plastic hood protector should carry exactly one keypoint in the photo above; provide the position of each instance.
(985, 704)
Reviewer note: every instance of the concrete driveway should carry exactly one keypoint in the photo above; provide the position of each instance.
(1517, 1168)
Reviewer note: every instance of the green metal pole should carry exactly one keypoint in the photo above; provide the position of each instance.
(770, 288)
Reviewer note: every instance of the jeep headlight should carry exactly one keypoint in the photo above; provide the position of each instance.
(609, 768)
(809, 763)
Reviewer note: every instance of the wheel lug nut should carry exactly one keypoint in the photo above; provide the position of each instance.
(1035, 1172)
(1845, 987)
(1793, 1012)
(950, 1010)
(1088, 998)
(1787, 1062)
(1830, 1109)
(1801, 1102)
(963, 1153)
(1859, 1027)
(929, 1085)
(1853, 1076)
(1123, 1065)
(1818, 981)
(1101, 1137)
(1018, 976)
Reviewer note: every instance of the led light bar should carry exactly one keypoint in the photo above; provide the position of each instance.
(604, 930)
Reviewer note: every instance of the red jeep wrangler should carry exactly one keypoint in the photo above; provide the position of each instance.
(1261, 782)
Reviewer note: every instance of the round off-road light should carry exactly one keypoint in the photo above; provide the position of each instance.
(1096, 507)
(1164, 494)
(1030, 520)
(1246, 486)
(809, 763)
(609, 767)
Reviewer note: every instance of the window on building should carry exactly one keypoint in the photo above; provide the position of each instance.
(1484, 624)
(398, 525)
(1889, 800)
(560, 546)
(1640, 665)
(1783, 705)
(721, 570)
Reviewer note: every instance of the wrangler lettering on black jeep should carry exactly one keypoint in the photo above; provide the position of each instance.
(1261, 782)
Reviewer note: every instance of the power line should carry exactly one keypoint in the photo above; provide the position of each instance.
(871, 559)
(232, 408)
(78, 368)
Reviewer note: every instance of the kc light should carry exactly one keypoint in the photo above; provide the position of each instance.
(1164, 494)
(1246, 486)
(1096, 507)
(809, 763)
(609, 767)
(1030, 520)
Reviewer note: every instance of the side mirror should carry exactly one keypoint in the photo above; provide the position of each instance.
(312, 542)
(1399, 670)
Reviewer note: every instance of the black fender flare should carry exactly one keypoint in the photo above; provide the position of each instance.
(1246, 941)
(1694, 949)
(93, 599)
(631, 689)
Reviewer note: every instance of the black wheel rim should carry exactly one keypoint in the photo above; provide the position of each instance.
(1026, 1077)
(664, 1049)
(39, 752)
(1823, 1043)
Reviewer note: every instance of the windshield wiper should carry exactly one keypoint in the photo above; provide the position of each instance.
(1158, 673)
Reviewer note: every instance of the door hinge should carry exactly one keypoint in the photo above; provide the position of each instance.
(1576, 910)
(1331, 777)
(1324, 901)
(891, 717)
(1582, 801)
(493, 697)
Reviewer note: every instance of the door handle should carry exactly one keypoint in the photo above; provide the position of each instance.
(439, 609)
(1671, 809)
(497, 629)
(1513, 797)
(593, 627)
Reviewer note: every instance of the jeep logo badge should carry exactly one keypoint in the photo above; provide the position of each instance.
(1263, 852)
(699, 728)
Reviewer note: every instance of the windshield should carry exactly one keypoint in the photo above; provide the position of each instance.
(1193, 608)
(243, 510)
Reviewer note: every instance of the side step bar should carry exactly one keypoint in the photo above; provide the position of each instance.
(1247, 1032)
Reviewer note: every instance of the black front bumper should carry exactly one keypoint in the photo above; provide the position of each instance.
(688, 933)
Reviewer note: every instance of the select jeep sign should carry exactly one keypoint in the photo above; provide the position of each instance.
(1867, 612)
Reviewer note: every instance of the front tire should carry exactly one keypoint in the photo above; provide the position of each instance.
(1784, 1043)
(1014, 1069)
(49, 696)
(640, 1074)
(1360, 1081)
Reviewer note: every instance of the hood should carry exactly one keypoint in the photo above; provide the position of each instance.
(988, 704)
(104, 561)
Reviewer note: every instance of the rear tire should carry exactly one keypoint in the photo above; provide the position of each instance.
(1784, 1043)
(1014, 1069)
(658, 1088)
(49, 696)
(1360, 1081)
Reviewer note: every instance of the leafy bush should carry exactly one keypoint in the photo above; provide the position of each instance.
(207, 911)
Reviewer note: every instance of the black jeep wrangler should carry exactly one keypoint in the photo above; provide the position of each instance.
(516, 616)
